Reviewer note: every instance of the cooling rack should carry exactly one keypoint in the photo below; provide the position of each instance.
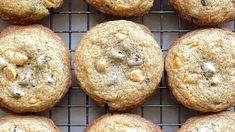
(76, 109)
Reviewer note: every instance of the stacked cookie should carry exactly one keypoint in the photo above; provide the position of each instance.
(118, 64)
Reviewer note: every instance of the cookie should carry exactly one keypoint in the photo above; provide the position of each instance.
(118, 63)
(34, 68)
(26, 11)
(200, 69)
(205, 12)
(28, 123)
(219, 122)
(123, 8)
(122, 123)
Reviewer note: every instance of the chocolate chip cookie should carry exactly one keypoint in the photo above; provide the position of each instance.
(122, 123)
(34, 68)
(219, 122)
(124, 8)
(118, 63)
(27, 123)
(200, 69)
(26, 11)
(205, 12)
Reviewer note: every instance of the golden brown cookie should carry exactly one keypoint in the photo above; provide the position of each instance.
(218, 122)
(205, 12)
(34, 68)
(27, 123)
(119, 63)
(200, 69)
(124, 8)
(122, 123)
(26, 11)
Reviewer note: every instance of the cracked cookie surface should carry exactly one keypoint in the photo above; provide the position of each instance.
(26, 11)
(124, 8)
(205, 12)
(200, 69)
(122, 123)
(27, 123)
(34, 68)
(119, 63)
(218, 122)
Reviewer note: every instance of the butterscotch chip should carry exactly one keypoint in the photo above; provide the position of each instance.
(101, 65)
(35, 63)
(217, 122)
(201, 78)
(122, 123)
(25, 123)
(122, 71)
(177, 62)
(10, 73)
(15, 57)
(135, 75)
(121, 36)
(26, 11)
(33, 100)
(125, 8)
(205, 12)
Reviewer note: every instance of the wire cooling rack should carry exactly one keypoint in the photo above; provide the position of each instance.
(76, 109)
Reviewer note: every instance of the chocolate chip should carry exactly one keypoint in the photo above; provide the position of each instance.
(135, 60)
(204, 2)
(27, 80)
(147, 80)
(41, 60)
(16, 91)
(50, 79)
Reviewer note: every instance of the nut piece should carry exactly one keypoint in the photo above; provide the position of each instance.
(16, 91)
(177, 62)
(10, 73)
(100, 65)
(15, 57)
(135, 60)
(208, 69)
(136, 75)
(43, 59)
(115, 54)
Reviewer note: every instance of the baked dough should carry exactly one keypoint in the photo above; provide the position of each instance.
(205, 12)
(118, 63)
(200, 69)
(27, 123)
(34, 68)
(26, 11)
(122, 123)
(218, 122)
(124, 8)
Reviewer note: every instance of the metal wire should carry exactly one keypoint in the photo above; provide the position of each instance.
(162, 12)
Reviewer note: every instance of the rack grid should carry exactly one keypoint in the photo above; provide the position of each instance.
(76, 109)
